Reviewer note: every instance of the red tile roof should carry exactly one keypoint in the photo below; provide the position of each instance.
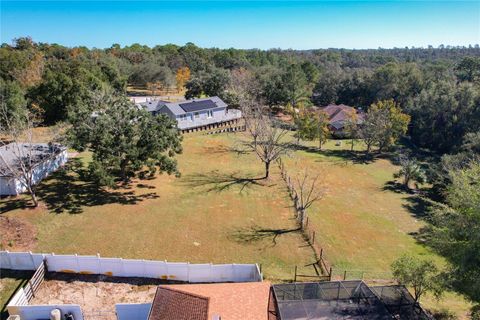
(233, 301)
(170, 304)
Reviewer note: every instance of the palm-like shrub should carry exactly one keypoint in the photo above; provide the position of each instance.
(411, 171)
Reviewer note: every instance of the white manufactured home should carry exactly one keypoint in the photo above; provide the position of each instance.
(195, 114)
(42, 158)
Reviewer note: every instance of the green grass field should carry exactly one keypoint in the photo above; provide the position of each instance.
(10, 281)
(220, 211)
(216, 212)
(363, 221)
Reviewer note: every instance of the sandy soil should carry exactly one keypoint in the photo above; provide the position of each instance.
(95, 293)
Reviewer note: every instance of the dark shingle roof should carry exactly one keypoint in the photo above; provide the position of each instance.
(171, 304)
(198, 105)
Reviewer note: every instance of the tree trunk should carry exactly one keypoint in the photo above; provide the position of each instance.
(351, 149)
(319, 144)
(406, 181)
(33, 195)
(267, 169)
(368, 148)
(123, 171)
(302, 219)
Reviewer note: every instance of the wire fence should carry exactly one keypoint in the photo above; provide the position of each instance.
(308, 231)
(326, 271)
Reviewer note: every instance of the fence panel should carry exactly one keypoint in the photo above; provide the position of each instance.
(200, 273)
(244, 272)
(19, 299)
(20, 260)
(111, 266)
(62, 263)
(222, 272)
(154, 269)
(136, 268)
(88, 264)
(119, 267)
(178, 271)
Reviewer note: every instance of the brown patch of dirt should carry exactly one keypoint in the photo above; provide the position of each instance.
(95, 293)
(16, 234)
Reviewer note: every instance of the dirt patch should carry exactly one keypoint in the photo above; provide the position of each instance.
(17, 235)
(95, 293)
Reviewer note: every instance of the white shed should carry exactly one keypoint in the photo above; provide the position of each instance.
(43, 159)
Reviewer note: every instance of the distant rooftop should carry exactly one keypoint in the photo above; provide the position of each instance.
(186, 106)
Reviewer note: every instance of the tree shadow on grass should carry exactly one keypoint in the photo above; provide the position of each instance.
(10, 203)
(356, 157)
(70, 190)
(418, 201)
(396, 187)
(218, 182)
(256, 233)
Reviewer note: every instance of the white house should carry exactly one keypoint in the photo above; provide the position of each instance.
(42, 158)
(196, 113)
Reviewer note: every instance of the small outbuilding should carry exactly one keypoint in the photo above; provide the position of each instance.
(38, 160)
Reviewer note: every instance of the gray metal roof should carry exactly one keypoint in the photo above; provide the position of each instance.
(182, 107)
(153, 105)
(34, 153)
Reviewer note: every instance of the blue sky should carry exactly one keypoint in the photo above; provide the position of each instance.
(254, 24)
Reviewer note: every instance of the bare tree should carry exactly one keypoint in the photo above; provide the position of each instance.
(266, 140)
(25, 158)
(308, 191)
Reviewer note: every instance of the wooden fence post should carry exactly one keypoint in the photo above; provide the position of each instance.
(330, 274)
(295, 278)
(345, 275)
(313, 237)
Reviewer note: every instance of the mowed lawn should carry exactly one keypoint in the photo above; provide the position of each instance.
(221, 211)
(215, 212)
(364, 221)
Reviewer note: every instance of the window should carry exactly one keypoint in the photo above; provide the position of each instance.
(183, 117)
(210, 114)
(197, 115)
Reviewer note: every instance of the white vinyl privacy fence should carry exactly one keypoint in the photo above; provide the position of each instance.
(118, 267)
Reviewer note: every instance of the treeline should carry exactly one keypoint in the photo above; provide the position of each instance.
(432, 94)
(437, 87)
